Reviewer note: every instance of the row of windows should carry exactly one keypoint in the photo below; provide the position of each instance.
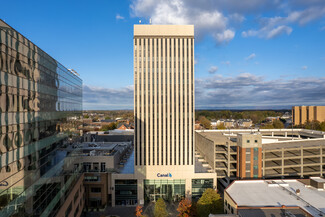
(8, 37)
(28, 69)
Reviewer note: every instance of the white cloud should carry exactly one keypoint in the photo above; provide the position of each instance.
(304, 67)
(207, 20)
(107, 98)
(119, 17)
(250, 91)
(221, 18)
(252, 56)
(226, 62)
(213, 69)
(275, 26)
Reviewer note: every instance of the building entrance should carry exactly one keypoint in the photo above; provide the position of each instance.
(169, 190)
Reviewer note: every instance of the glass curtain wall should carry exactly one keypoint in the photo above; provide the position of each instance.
(40, 112)
(169, 190)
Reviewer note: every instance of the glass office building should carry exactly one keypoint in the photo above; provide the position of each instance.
(41, 107)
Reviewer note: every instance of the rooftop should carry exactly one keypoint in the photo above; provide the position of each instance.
(277, 193)
(99, 148)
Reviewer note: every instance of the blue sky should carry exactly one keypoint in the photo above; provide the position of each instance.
(249, 54)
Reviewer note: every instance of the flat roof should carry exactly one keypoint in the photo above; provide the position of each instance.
(276, 193)
(163, 30)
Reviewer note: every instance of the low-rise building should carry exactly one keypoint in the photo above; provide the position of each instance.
(276, 197)
(98, 160)
(265, 153)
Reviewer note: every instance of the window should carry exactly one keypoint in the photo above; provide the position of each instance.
(91, 179)
(76, 196)
(248, 141)
(255, 141)
(96, 190)
(67, 212)
(96, 166)
(102, 167)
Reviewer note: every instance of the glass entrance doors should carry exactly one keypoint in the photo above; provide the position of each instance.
(169, 190)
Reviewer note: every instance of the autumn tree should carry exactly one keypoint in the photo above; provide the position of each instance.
(160, 208)
(184, 208)
(209, 203)
(221, 126)
(205, 122)
(138, 211)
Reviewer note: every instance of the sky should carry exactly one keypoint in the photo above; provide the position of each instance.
(252, 54)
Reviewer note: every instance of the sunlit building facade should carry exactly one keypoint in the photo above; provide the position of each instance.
(40, 106)
(164, 151)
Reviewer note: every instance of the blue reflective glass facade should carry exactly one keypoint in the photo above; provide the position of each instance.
(41, 109)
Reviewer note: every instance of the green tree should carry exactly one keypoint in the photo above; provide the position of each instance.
(312, 125)
(160, 208)
(209, 203)
(277, 124)
(110, 126)
(322, 126)
(205, 122)
(86, 116)
(107, 117)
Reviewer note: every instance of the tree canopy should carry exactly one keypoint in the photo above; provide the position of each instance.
(209, 203)
(160, 208)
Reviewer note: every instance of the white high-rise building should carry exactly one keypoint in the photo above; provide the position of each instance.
(164, 95)
(164, 150)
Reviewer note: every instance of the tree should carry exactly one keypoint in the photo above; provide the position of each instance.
(184, 208)
(205, 122)
(209, 203)
(110, 126)
(160, 208)
(107, 117)
(277, 124)
(322, 126)
(221, 126)
(86, 116)
(138, 211)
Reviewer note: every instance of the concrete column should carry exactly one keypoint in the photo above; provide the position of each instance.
(113, 191)
(282, 161)
(188, 188)
(272, 134)
(301, 161)
(286, 134)
(263, 163)
(140, 192)
(228, 162)
(321, 160)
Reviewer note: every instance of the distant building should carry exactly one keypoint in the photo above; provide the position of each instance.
(301, 114)
(244, 123)
(276, 198)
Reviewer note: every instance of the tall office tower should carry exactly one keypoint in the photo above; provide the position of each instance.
(164, 94)
(40, 106)
(164, 111)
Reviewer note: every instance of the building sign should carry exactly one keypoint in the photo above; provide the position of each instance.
(164, 175)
